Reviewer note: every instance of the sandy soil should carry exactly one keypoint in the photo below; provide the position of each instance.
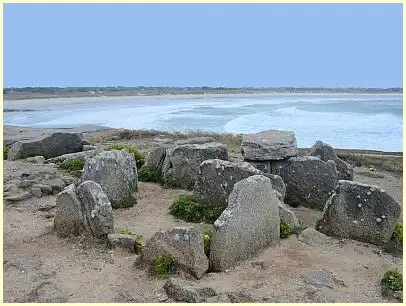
(41, 267)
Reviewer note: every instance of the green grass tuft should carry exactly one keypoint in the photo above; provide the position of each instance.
(188, 209)
(148, 174)
(285, 230)
(398, 234)
(207, 242)
(393, 280)
(5, 151)
(163, 266)
(73, 166)
(139, 158)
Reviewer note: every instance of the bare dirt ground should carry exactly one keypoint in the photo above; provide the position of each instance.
(41, 267)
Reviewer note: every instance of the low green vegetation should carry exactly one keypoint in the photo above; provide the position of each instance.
(148, 174)
(187, 208)
(125, 231)
(139, 158)
(5, 151)
(163, 266)
(398, 234)
(74, 166)
(285, 230)
(207, 242)
(393, 280)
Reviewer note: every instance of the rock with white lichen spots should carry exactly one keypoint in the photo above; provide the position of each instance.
(249, 224)
(360, 212)
(182, 162)
(184, 245)
(217, 178)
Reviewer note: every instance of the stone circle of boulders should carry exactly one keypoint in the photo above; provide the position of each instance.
(216, 180)
(184, 245)
(83, 208)
(182, 162)
(116, 172)
(50, 146)
(249, 224)
(309, 180)
(360, 212)
(326, 152)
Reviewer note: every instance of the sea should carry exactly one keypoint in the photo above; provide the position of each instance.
(348, 121)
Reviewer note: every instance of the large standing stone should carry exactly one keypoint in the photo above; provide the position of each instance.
(309, 180)
(184, 245)
(360, 212)
(69, 217)
(217, 178)
(182, 162)
(249, 224)
(116, 172)
(97, 209)
(51, 146)
(288, 216)
(326, 152)
(269, 145)
(155, 158)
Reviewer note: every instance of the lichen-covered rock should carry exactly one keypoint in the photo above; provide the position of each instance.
(309, 180)
(155, 158)
(313, 237)
(36, 159)
(217, 178)
(50, 146)
(249, 224)
(182, 162)
(97, 209)
(121, 240)
(326, 152)
(186, 291)
(184, 245)
(73, 156)
(361, 212)
(269, 145)
(264, 166)
(69, 217)
(116, 172)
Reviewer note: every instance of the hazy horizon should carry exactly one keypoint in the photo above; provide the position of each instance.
(196, 45)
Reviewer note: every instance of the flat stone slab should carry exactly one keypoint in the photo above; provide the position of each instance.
(269, 145)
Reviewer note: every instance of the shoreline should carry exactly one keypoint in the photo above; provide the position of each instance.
(25, 132)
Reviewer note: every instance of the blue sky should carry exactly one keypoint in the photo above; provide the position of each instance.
(233, 45)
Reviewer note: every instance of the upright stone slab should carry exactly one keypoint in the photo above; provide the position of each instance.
(249, 224)
(269, 145)
(69, 217)
(326, 152)
(156, 157)
(182, 162)
(309, 180)
(97, 209)
(116, 172)
(360, 212)
(217, 178)
(50, 146)
(184, 245)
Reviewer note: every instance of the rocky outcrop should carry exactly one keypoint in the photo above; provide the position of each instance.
(51, 146)
(326, 152)
(184, 245)
(181, 165)
(195, 140)
(116, 172)
(69, 218)
(360, 212)
(97, 209)
(217, 178)
(309, 180)
(269, 145)
(121, 240)
(252, 215)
